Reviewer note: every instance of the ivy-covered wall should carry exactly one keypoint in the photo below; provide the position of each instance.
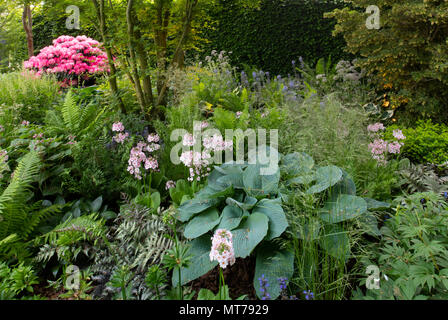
(275, 33)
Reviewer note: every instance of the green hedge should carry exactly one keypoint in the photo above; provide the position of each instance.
(273, 35)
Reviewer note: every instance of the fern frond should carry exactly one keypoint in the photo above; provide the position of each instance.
(13, 209)
(71, 113)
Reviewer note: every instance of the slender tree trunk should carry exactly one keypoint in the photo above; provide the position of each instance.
(133, 59)
(27, 21)
(99, 8)
(178, 53)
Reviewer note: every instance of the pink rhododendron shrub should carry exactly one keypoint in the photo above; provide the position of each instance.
(72, 60)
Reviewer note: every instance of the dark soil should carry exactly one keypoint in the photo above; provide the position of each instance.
(239, 278)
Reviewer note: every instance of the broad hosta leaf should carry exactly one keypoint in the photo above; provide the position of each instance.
(200, 263)
(252, 180)
(305, 179)
(250, 234)
(190, 208)
(370, 223)
(277, 219)
(344, 208)
(248, 203)
(256, 184)
(231, 218)
(209, 193)
(345, 186)
(325, 177)
(202, 223)
(95, 206)
(336, 242)
(234, 179)
(297, 164)
(273, 264)
(374, 204)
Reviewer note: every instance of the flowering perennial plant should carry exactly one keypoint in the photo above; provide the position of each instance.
(222, 248)
(264, 284)
(121, 136)
(380, 147)
(141, 156)
(170, 184)
(199, 162)
(70, 58)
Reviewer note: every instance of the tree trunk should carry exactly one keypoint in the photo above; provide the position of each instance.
(99, 8)
(27, 21)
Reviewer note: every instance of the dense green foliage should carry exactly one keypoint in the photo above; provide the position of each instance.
(274, 34)
(407, 56)
(426, 143)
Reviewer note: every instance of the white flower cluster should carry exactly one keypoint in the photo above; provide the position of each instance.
(222, 248)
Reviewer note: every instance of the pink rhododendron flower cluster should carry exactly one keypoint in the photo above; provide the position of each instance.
(222, 248)
(121, 136)
(199, 162)
(70, 58)
(25, 123)
(141, 159)
(380, 148)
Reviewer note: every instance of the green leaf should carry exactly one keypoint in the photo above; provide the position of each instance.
(202, 223)
(336, 242)
(297, 164)
(200, 262)
(325, 177)
(248, 203)
(95, 206)
(155, 200)
(273, 264)
(231, 218)
(277, 220)
(257, 185)
(344, 208)
(190, 208)
(345, 186)
(250, 234)
(374, 204)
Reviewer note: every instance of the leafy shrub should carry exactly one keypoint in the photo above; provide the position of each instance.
(407, 56)
(72, 60)
(412, 254)
(15, 281)
(426, 143)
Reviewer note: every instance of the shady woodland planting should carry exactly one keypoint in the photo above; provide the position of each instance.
(223, 150)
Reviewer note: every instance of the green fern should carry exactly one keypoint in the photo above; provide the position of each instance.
(73, 118)
(13, 211)
(17, 219)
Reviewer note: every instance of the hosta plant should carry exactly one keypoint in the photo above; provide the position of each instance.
(237, 198)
